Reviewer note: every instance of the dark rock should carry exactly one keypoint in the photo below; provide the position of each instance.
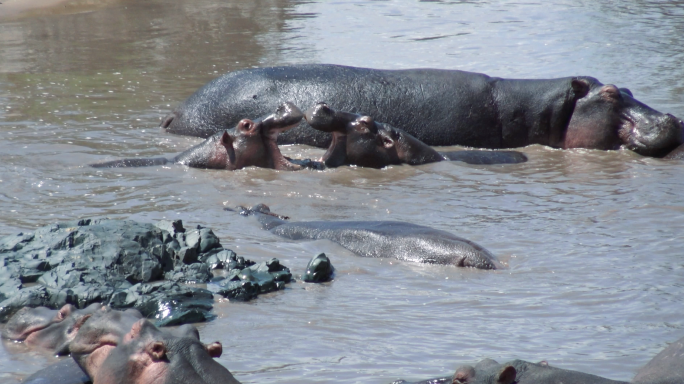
(221, 259)
(319, 270)
(123, 263)
(246, 283)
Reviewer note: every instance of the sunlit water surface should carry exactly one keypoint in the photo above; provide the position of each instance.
(592, 239)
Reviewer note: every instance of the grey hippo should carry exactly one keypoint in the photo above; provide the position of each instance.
(381, 239)
(438, 107)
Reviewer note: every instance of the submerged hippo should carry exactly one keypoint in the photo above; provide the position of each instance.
(666, 368)
(489, 371)
(382, 239)
(250, 143)
(439, 107)
(360, 140)
(676, 154)
(48, 328)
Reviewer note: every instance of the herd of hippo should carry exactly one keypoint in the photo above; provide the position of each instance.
(109, 346)
(368, 118)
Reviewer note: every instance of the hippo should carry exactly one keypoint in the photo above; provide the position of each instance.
(439, 107)
(360, 140)
(99, 335)
(666, 368)
(676, 154)
(123, 347)
(148, 355)
(48, 328)
(65, 371)
(250, 143)
(381, 239)
(489, 371)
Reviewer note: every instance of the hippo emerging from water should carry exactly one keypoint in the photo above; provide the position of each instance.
(250, 143)
(381, 239)
(439, 107)
(667, 367)
(360, 140)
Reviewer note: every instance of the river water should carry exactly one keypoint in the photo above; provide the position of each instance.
(592, 239)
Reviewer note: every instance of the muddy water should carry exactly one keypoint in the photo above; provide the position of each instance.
(592, 239)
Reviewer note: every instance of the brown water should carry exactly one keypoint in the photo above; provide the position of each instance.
(592, 239)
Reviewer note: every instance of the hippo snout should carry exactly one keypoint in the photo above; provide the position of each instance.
(656, 137)
(320, 116)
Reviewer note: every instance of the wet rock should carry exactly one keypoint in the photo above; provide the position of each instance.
(127, 264)
(166, 303)
(245, 283)
(319, 270)
(221, 259)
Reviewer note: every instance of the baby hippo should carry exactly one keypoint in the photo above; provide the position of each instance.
(359, 140)
(250, 143)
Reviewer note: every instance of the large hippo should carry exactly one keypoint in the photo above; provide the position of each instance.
(360, 140)
(666, 368)
(48, 328)
(250, 143)
(382, 239)
(439, 107)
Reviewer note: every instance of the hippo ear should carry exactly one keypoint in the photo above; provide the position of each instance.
(64, 312)
(580, 87)
(156, 350)
(626, 90)
(215, 349)
(387, 141)
(464, 375)
(507, 375)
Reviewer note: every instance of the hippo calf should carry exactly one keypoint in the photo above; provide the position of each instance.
(382, 239)
(439, 107)
(250, 143)
(360, 140)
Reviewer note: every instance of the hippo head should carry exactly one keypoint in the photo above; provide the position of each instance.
(28, 321)
(250, 143)
(97, 337)
(286, 117)
(48, 328)
(608, 117)
(408, 149)
(149, 355)
(355, 139)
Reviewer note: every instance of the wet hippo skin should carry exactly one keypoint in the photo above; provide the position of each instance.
(382, 239)
(438, 107)
(48, 328)
(250, 143)
(360, 140)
